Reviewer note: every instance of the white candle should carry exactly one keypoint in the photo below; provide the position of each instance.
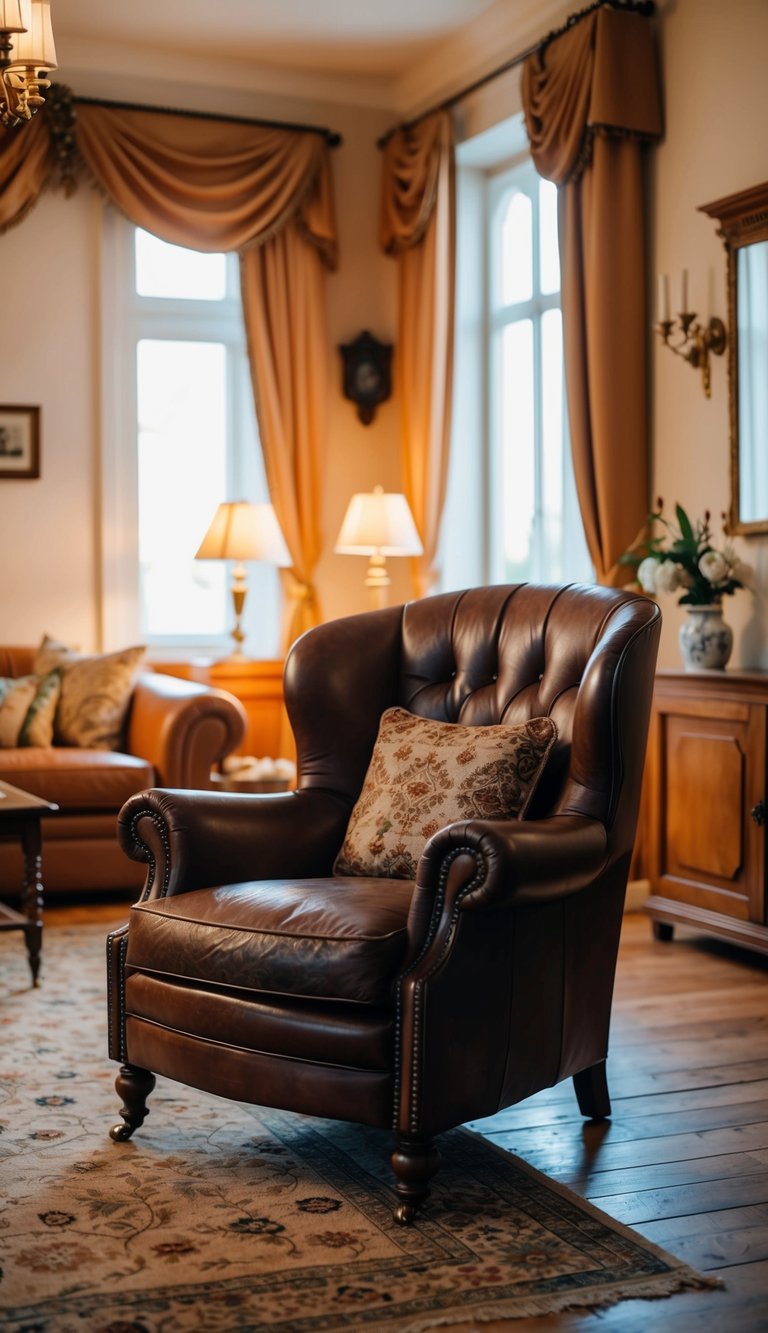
(684, 292)
(663, 298)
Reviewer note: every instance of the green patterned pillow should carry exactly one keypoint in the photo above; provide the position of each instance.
(27, 709)
(95, 693)
(424, 775)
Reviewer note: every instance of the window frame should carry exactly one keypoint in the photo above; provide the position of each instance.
(482, 185)
(126, 319)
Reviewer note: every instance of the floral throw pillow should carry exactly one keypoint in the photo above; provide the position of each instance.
(424, 775)
(95, 693)
(27, 709)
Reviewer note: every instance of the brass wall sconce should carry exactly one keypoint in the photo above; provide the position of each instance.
(698, 341)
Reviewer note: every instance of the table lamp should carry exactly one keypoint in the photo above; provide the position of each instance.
(378, 523)
(241, 531)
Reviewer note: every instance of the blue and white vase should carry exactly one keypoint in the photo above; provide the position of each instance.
(705, 639)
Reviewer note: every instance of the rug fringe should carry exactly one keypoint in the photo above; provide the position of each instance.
(587, 1302)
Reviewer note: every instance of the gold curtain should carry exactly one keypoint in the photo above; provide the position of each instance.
(24, 168)
(226, 186)
(418, 226)
(591, 100)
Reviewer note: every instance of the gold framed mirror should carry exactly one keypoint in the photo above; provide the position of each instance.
(743, 225)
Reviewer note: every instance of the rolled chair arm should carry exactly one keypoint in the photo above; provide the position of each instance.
(183, 728)
(193, 840)
(487, 864)
(522, 861)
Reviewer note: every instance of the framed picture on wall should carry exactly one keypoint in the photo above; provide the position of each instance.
(19, 442)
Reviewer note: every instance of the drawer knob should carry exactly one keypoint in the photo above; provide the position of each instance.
(758, 813)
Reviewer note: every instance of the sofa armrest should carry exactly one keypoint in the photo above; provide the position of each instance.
(182, 728)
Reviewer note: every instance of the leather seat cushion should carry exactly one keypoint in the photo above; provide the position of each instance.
(76, 779)
(332, 939)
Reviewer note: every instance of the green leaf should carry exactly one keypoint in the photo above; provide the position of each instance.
(685, 524)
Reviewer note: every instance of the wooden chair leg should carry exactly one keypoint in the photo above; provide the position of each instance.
(591, 1087)
(414, 1162)
(133, 1085)
(662, 930)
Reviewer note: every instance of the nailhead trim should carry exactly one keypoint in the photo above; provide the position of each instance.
(162, 828)
(437, 911)
(123, 949)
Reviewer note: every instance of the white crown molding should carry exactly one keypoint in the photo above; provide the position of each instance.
(103, 69)
(502, 31)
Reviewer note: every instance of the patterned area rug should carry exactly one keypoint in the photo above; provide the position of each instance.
(221, 1216)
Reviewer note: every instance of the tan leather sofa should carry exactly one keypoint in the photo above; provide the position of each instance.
(175, 732)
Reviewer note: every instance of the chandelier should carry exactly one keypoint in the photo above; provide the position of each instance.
(27, 54)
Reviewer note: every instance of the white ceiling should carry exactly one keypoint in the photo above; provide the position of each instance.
(365, 37)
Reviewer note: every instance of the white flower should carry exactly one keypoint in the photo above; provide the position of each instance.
(714, 567)
(668, 576)
(646, 574)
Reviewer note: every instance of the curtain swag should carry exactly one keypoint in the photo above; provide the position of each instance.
(217, 185)
(590, 102)
(599, 77)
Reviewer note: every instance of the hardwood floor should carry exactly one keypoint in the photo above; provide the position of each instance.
(684, 1158)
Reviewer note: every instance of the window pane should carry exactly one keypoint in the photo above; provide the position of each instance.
(549, 255)
(517, 249)
(171, 271)
(517, 461)
(182, 477)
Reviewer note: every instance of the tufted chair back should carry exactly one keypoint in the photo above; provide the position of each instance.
(487, 655)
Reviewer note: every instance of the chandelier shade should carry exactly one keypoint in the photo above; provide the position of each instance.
(27, 54)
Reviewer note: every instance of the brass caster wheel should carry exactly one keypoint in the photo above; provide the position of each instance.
(404, 1214)
(120, 1133)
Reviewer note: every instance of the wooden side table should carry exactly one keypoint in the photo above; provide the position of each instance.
(20, 815)
(258, 684)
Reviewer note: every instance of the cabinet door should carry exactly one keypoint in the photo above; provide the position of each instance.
(708, 774)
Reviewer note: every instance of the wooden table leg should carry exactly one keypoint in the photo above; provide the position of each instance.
(32, 893)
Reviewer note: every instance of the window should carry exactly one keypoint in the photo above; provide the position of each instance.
(189, 440)
(511, 493)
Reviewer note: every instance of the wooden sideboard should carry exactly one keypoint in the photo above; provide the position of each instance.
(704, 805)
(259, 687)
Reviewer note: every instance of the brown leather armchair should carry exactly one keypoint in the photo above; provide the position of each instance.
(249, 970)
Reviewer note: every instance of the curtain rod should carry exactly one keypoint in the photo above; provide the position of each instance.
(644, 7)
(332, 138)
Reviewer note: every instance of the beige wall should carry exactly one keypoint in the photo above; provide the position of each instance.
(716, 112)
(716, 102)
(48, 357)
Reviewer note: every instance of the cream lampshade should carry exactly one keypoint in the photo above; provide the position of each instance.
(35, 47)
(241, 531)
(378, 523)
